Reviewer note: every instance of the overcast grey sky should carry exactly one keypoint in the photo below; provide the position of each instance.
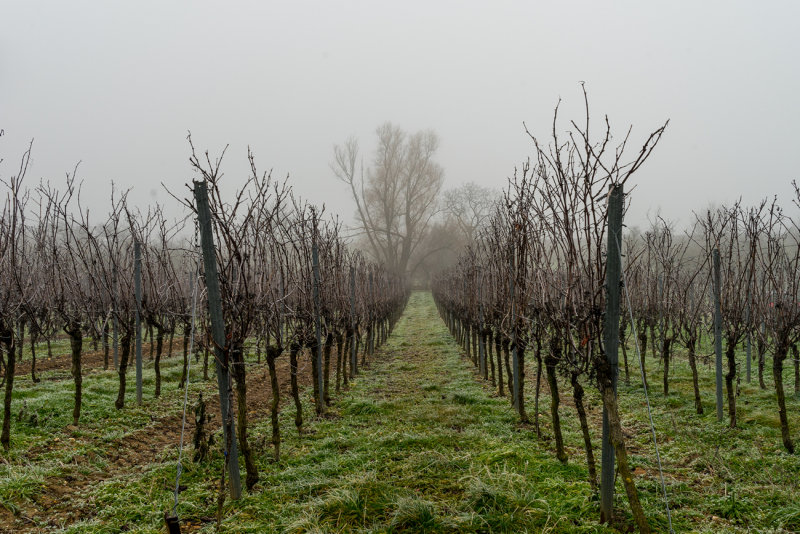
(118, 84)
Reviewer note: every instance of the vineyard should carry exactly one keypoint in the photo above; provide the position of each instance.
(282, 381)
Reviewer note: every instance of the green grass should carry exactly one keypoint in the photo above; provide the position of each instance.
(417, 444)
(718, 479)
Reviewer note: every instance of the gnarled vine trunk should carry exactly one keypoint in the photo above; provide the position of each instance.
(124, 356)
(690, 347)
(730, 376)
(550, 362)
(272, 354)
(7, 339)
(781, 351)
(240, 377)
(76, 346)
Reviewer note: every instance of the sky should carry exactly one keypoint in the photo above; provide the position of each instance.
(117, 86)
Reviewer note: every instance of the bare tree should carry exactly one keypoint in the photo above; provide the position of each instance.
(469, 206)
(397, 196)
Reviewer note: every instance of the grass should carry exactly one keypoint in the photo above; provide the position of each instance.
(417, 444)
(718, 479)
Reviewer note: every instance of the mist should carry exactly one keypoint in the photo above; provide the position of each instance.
(118, 87)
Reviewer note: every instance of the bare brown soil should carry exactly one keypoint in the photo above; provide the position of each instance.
(89, 359)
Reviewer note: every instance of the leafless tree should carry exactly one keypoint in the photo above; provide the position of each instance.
(469, 206)
(397, 196)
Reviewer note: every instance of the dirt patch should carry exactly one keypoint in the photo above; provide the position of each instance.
(89, 359)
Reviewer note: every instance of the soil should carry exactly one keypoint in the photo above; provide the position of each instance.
(89, 359)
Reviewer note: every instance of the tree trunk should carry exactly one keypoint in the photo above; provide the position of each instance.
(796, 359)
(34, 338)
(550, 362)
(318, 400)
(326, 374)
(538, 355)
(509, 373)
(339, 360)
(8, 340)
(490, 357)
(781, 351)
(239, 373)
(272, 355)
(730, 376)
(157, 365)
(577, 392)
(76, 344)
(498, 353)
(298, 418)
(348, 340)
(475, 354)
(171, 340)
(698, 405)
(666, 347)
(642, 351)
(621, 453)
(467, 341)
(199, 439)
(125, 352)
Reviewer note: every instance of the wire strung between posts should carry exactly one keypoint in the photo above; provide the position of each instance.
(194, 283)
(644, 384)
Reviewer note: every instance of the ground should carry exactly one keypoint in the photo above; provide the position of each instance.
(418, 443)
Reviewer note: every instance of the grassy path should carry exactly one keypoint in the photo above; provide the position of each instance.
(420, 446)
(417, 444)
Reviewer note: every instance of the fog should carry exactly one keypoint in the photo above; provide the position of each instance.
(117, 86)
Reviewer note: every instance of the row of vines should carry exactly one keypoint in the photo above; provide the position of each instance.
(534, 285)
(288, 287)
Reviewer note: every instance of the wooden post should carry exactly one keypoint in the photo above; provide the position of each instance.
(317, 325)
(137, 274)
(218, 333)
(611, 341)
(717, 329)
